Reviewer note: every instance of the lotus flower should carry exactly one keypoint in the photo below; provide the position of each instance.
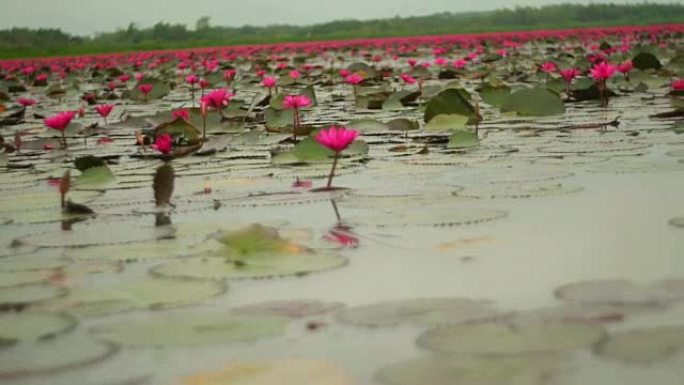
(601, 72)
(548, 67)
(26, 102)
(229, 75)
(269, 82)
(296, 101)
(60, 122)
(104, 110)
(345, 72)
(218, 99)
(625, 68)
(204, 84)
(124, 78)
(460, 63)
(336, 139)
(192, 79)
(181, 114)
(163, 143)
(677, 85)
(407, 79)
(294, 74)
(353, 79)
(145, 89)
(569, 76)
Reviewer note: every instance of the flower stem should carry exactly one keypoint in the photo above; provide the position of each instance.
(332, 171)
(64, 141)
(204, 128)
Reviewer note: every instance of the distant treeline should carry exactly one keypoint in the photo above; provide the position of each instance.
(19, 42)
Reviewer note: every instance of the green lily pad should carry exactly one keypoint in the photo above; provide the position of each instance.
(292, 371)
(462, 140)
(449, 101)
(33, 326)
(289, 309)
(18, 297)
(505, 338)
(618, 292)
(309, 150)
(262, 265)
(421, 312)
(495, 96)
(448, 122)
(534, 102)
(518, 191)
(455, 369)
(429, 217)
(159, 90)
(52, 357)
(646, 61)
(96, 177)
(644, 346)
(144, 293)
(192, 330)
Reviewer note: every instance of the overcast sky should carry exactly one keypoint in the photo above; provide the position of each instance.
(85, 17)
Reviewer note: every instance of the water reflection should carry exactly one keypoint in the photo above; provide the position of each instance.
(341, 233)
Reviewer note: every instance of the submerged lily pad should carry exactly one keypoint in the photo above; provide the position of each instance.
(509, 338)
(280, 372)
(456, 369)
(145, 293)
(421, 311)
(192, 330)
(32, 326)
(644, 346)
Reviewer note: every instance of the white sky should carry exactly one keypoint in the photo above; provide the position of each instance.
(85, 17)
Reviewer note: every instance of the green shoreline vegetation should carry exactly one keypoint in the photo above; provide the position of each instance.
(26, 43)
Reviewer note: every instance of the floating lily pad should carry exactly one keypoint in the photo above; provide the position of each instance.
(677, 222)
(18, 297)
(145, 293)
(422, 312)
(32, 326)
(430, 217)
(98, 234)
(534, 102)
(289, 309)
(449, 101)
(520, 191)
(508, 338)
(644, 346)
(617, 292)
(48, 358)
(447, 122)
(192, 330)
(528, 369)
(280, 372)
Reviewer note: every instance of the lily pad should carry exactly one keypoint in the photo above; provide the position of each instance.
(18, 297)
(52, 357)
(145, 293)
(617, 292)
(289, 309)
(192, 330)
(33, 326)
(449, 101)
(447, 122)
(644, 346)
(509, 338)
(421, 312)
(463, 139)
(534, 102)
(281, 372)
(645, 61)
(456, 369)
(430, 217)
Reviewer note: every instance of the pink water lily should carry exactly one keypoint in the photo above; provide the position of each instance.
(269, 82)
(181, 114)
(601, 72)
(296, 102)
(104, 110)
(354, 79)
(60, 122)
(145, 89)
(192, 79)
(336, 139)
(163, 143)
(408, 79)
(677, 85)
(218, 99)
(26, 102)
